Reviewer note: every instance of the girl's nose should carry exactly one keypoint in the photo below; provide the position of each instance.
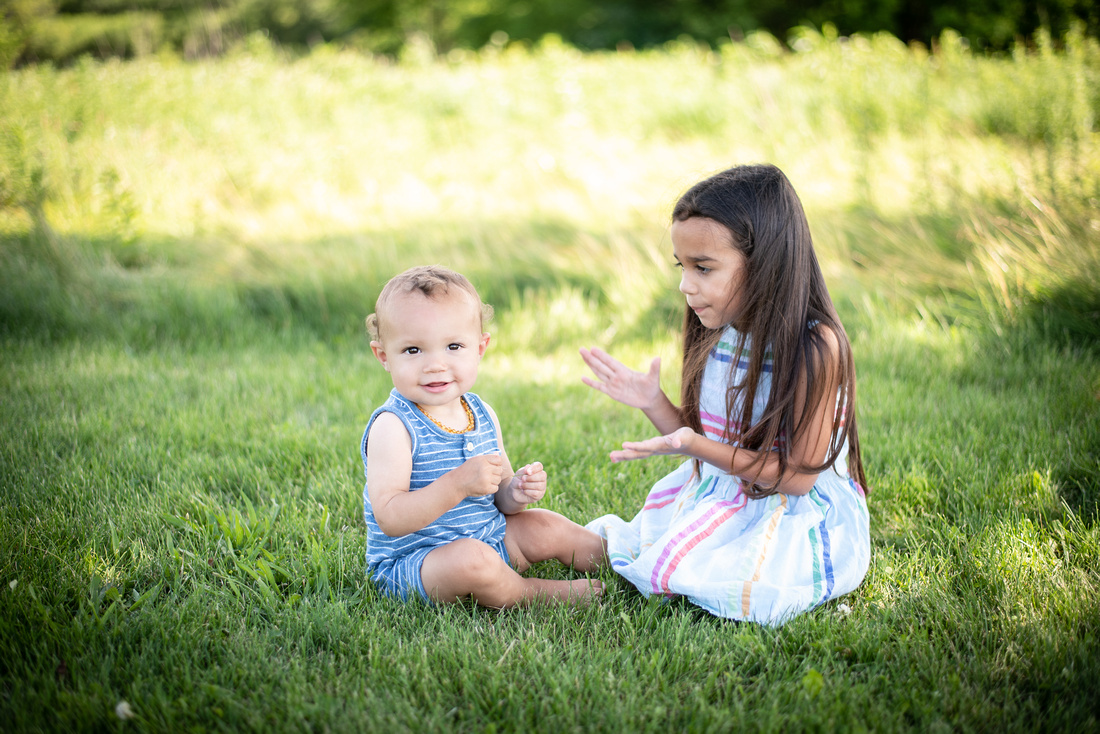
(685, 285)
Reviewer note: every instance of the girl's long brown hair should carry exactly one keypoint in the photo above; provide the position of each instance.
(782, 295)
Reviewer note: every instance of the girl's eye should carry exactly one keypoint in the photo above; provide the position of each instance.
(702, 270)
(678, 265)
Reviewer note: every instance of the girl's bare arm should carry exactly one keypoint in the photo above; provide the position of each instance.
(809, 449)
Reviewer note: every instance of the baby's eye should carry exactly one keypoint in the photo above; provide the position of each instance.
(411, 350)
(454, 347)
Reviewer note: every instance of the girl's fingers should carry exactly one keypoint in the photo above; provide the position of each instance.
(630, 451)
(592, 358)
(650, 444)
(652, 447)
(628, 455)
(593, 383)
(601, 362)
(614, 366)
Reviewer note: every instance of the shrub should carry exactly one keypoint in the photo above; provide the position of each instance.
(65, 37)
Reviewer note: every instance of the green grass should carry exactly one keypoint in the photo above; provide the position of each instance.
(187, 252)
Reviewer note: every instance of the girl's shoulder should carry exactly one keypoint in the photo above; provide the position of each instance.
(828, 354)
(830, 342)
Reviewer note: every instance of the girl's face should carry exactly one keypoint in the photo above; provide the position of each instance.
(431, 347)
(713, 269)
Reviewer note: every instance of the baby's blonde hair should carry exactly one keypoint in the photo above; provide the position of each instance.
(434, 282)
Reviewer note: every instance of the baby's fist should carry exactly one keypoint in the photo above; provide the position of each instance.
(480, 475)
(529, 483)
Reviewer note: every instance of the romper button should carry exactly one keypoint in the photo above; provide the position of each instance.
(469, 446)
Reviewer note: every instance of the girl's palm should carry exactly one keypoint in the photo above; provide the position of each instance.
(619, 382)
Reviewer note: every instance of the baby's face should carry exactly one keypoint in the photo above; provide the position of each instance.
(431, 347)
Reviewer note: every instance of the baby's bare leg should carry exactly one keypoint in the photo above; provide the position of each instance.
(471, 568)
(538, 535)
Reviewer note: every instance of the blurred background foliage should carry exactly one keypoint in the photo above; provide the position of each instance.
(168, 200)
(62, 30)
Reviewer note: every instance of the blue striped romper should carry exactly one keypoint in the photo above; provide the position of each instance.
(394, 563)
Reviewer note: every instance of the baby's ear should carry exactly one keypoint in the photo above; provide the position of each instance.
(483, 344)
(380, 354)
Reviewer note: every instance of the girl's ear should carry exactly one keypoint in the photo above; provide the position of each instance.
(483, 344)
(380, 354)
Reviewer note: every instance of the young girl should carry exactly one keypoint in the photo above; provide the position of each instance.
(446, 516)
(767, 517)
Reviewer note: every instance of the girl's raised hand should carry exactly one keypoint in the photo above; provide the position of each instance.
(674, 443)
(617, 381)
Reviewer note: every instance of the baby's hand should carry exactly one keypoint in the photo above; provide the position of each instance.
(529, 484)
(479, 475)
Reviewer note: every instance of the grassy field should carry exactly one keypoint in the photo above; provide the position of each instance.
(187, 253)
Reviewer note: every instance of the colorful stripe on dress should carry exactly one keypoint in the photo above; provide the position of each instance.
(619, 560)
(815, 543)
(723, 352)
(657, 500)
(688, 539)
(773, 523)
(705, 486)
(821, 547)
(716, 426)
(822, 501)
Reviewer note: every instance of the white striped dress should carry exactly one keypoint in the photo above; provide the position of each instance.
(765, 560)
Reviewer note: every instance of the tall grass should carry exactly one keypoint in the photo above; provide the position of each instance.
(187, 253)
(336, 168)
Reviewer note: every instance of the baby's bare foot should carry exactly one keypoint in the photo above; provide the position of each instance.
(585, 591)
